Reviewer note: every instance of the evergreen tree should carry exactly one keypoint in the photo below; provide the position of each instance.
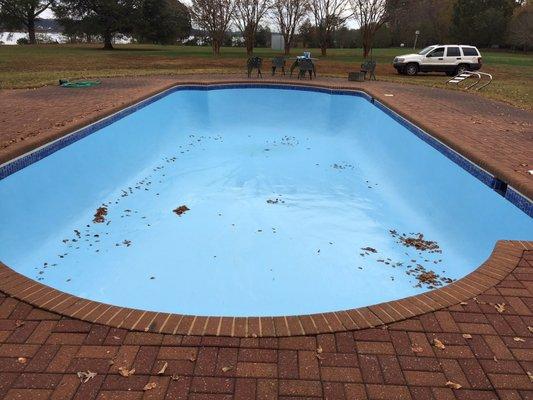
(481, 22)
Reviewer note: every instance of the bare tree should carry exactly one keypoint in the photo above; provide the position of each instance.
(214, 16)
(371, 15)
(329, 15)
(23, 13)
(288, 14)
(248, 14)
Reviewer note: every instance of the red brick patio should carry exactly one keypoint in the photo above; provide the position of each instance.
(487, 338)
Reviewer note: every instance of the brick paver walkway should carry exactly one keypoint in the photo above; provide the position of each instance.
(488, 350)
(487, 340)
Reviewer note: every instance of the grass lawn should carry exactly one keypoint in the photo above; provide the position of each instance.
(32, 66)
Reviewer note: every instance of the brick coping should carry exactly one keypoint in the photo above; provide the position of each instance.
(502, 261)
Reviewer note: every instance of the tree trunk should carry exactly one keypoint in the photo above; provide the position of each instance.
(367, 43)
(323, 40)
(108, 45)
(366, 50)
(249, 38)
(31, 29)
(216, 47)
(286, 46)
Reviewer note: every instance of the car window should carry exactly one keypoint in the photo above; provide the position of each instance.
(453, 52)
(438, 52)
(424, 51)
(470, 51)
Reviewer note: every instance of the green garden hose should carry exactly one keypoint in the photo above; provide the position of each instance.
(78, 84)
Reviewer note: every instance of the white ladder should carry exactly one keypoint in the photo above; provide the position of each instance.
(479, 84)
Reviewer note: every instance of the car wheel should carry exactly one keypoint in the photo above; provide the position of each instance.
(411, 69)
(461, 68)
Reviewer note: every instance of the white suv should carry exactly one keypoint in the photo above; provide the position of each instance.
(451, 58)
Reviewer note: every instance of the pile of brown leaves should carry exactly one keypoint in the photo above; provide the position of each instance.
(428, 278)
(100, 215)
(417, 241)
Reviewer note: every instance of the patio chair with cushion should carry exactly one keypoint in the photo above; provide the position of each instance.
(369, 67)
(254, 63)
(296, 62)
(278, 62)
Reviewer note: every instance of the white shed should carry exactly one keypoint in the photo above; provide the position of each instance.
(277, 42)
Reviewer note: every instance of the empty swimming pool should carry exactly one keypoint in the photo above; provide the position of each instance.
(250, 201)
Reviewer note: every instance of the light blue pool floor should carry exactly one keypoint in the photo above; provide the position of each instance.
(287, 218)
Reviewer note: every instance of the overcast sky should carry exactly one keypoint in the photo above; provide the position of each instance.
(350, 23)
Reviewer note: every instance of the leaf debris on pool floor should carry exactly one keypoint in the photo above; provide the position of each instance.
(425, 277)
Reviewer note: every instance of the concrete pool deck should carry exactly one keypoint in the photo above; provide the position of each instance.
(41, 351)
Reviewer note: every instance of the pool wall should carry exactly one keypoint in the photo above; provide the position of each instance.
(511, 194)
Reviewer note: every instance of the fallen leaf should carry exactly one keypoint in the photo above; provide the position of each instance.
(319, 350)
(467, 335)
(226, 369)
(19, 323)
(495, 359)
(150, 386)
(174, 377)
(453, 385)
(192, 358)
(116, 337)
(85, 376)
(530, 376)
(22, 360)
(417, 349)
(111, 362)
(463, 303)
(126, 372)
(163, 369)
(519, 339)
(438, 344)
(181, 210)
(500, 307)
(530, 328)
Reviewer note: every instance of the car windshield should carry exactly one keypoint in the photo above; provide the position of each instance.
(423, 52)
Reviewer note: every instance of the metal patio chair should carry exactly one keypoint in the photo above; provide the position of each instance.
(306, 65)
(278, 62)
(369, 67)
(254, 63)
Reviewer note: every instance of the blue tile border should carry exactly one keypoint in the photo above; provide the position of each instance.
(511, 194)
(519, 200)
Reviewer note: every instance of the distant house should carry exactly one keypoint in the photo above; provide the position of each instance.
(277, 41)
